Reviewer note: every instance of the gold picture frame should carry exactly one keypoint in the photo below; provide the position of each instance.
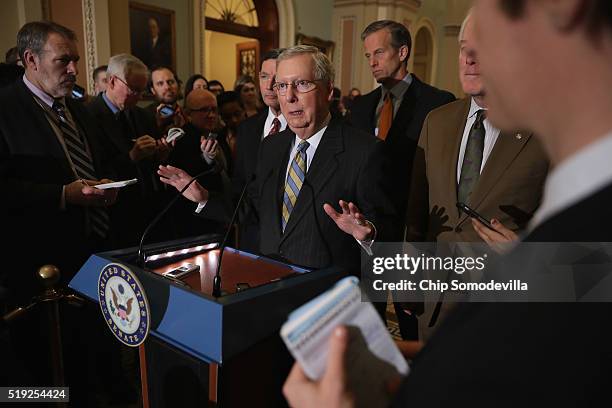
(326, 47)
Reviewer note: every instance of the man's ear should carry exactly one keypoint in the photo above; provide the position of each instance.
(564, 15)
(330, 92)
(404, 53)
(110, 82)
(30, 60)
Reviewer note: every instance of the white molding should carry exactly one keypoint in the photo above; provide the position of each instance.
(199, 26)
(286, 23)
(425, 22)
(91, 50)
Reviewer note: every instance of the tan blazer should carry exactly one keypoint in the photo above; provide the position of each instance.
(509, 188)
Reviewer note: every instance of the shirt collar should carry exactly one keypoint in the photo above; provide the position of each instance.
(42, 95)
(280, 117)
(398, 90)
(110, 105)
(576, 178)
(315, 139)
(474, 108)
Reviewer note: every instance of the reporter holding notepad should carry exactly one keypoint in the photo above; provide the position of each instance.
(134, 152)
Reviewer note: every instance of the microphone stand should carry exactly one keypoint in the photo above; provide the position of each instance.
(217, 279)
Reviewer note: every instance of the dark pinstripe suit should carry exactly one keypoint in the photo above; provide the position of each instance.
(347, 165)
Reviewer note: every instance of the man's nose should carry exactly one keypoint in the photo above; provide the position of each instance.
(290, 96)
(72, 68)
(269, 83)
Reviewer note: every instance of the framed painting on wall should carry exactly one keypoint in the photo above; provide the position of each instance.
(152, 35)
(247, 59)
(326, 47)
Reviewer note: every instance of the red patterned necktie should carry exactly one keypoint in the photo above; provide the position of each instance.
(275, 127)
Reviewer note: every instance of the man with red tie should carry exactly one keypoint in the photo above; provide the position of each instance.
(250, 134)
(394, 112)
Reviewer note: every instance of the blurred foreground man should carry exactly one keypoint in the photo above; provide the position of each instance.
(540, 353)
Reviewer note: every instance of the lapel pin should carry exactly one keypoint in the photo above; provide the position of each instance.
(519, 136)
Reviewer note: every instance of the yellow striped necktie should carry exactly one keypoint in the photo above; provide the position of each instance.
(295, 179)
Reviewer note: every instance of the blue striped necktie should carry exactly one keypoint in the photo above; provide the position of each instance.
(83, 165)
(295, 179)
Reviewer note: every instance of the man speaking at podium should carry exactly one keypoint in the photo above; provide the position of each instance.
(318, 187)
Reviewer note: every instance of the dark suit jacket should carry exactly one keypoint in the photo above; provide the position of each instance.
(187, 155)
(137, 204)
(509, 188)
(523, 354)
(248, 140)
(121, 140)
(347, 165)
(33, 170)
(402, 139)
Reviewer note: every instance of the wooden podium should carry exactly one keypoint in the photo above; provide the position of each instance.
(204, 351)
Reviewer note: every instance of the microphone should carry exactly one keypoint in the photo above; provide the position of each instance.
(141, 254)
(217, 279)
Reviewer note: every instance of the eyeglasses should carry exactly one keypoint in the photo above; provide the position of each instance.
(301, 86)
(206, 110)
(130, 90)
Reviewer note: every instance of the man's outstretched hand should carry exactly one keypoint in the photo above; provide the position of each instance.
(178, 179)
(351, 221)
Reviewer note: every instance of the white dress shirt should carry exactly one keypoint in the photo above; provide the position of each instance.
(268, 124)
(491, 135)
(575, 179)
(313, 143)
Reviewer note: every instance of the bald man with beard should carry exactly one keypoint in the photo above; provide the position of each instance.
(196, 153)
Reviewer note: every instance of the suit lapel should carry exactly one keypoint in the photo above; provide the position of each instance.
(456, 128)
(373, 102)
(322, 168)
(44, 132)
(405, 111)
(507, 147)
(113, 128)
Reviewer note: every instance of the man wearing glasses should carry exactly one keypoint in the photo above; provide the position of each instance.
(309, 171)
(196, 152)
(134, 152)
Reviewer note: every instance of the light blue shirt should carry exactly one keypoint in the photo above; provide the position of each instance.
(110, 105)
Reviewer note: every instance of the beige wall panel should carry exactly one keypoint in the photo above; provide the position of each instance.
(70, 14)
(9, 25)
(118, 19)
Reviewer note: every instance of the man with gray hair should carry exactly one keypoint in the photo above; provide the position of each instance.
(135, 153)
(51, 156)
(317, 164)
(498, 174)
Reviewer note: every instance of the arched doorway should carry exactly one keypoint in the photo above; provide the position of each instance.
(237, 32)
(423, 54)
